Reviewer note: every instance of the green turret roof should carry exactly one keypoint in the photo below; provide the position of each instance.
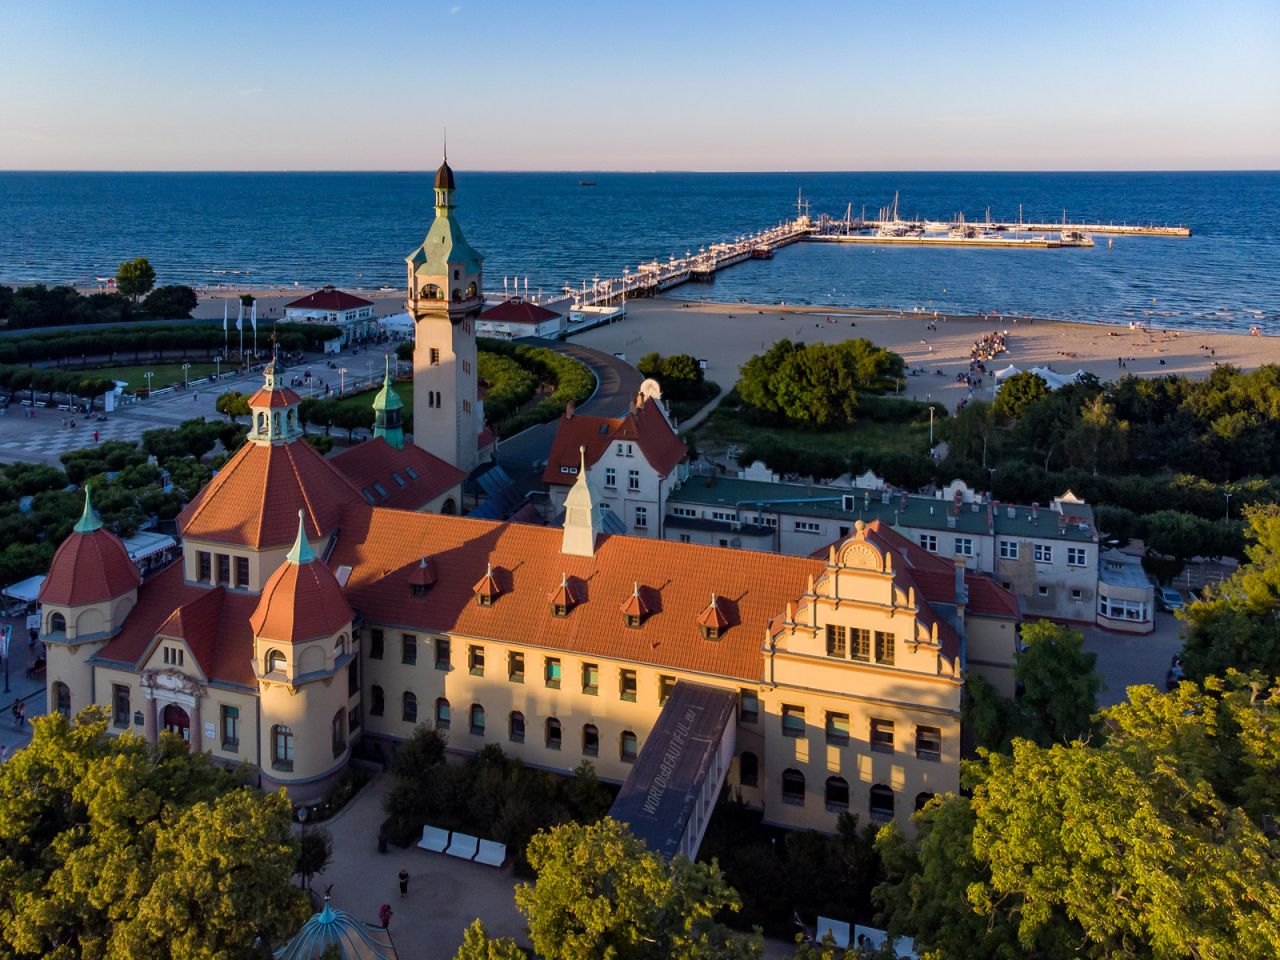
(387, 398)
(301, 551)
(445, 248)
(89, 520)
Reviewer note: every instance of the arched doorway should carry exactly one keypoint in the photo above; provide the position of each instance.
(175, 720)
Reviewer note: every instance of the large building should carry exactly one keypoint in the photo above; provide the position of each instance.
(353, 315)
(310, 616)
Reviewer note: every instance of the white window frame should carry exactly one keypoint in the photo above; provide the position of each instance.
(1077, 552)
(964, 546)
(1009, 549)
(1042, 552)
(929, 541)
(610, 477)
(642, 518)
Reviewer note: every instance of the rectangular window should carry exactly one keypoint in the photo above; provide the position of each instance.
(610, 477)
(685, 538)
(375, 644)
(808, 526)
(1008, 549)
(1042, 553)
(205, 561)
(1077, 594)
(792, 721)
(353, 677)
(408, 648)
(354, 718)
(748, 706)
(633, 479)
(724, 516)
(627, 685)
(121, 713)
(551, 672)
(860, 639)
(242, 572)
(444, 653)
(230, 727)
(475, 661)
(964, 546)
(591, 679)
(837, 728)
(515, 667)
(642, 518)
(884, 647)
(1075, 557)
(929, 541)
(928, 743)
(882, 736)
(665, 686)
(837, 641)
(224, 569)
(626, 450)
(435, 356)
(683, 512)
(516, 727)
(1042, 590)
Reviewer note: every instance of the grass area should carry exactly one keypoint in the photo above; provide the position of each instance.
(165, 374)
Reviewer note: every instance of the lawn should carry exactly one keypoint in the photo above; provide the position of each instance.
(165, 374)
(364, 399)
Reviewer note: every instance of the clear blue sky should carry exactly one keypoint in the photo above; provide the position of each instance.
(642, 85)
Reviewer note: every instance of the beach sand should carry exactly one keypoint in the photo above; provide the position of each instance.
(726, 335)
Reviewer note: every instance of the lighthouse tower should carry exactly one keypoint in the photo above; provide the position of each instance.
(445, 278)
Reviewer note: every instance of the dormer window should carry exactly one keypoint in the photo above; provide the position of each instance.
(563, 598)
(635, 609)
(631, 620)
(423, 578)
(486, 589)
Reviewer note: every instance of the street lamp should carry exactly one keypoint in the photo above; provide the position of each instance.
(217, 366)
(342, 379)
(1227, 495)
(185, 368)
(149, 374)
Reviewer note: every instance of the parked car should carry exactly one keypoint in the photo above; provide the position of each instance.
(1167, 598)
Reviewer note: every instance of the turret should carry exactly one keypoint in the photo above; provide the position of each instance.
(388, 412)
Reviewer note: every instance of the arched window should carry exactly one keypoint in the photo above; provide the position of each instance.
(339, 731)
(881, 805)
(377, 701)
(553, 733)
(175, 720)
(471, 290)
(275, 422)
(293, 419)
(457, 274)
(590, 740)
(515, 727)
(281, 747)
(340, 648)
(58, 623)
(409, 707)
(62, 699)
(793, 787)
(477, 720)
(629, 747)
(457, 295)
(748, 769)
(444, 715)
(432, 292)
(837, 793)
(262, 422)
(922, 799)
(449, 508)
(275, 661)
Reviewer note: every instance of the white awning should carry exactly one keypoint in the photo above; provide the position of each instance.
(144, 544)
(27, 590)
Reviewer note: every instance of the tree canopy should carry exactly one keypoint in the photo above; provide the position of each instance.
(113, 848)
(135, 278)
(816, 385)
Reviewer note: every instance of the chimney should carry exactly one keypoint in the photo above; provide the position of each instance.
(1035, 512)
(1012, 512)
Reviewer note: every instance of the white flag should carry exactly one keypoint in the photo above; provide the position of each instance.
(253, 316)
(225, 307)
(240, 316)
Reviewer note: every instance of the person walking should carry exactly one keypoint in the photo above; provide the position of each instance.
(384, 915)
(4, 752)
(22, 714)
(404, 882)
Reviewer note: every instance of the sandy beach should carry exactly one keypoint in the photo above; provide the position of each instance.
(726, 335)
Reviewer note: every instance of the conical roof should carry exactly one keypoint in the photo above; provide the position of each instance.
(302, 600)
(353, 939)
(387, 398)
(90, 566)
(444, 177)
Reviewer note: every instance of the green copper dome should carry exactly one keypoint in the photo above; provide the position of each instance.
(387, 398)
(388, 420)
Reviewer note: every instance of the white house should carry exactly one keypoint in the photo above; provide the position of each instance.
(353, 315)
(516, 318)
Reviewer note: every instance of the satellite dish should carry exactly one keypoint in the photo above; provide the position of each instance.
(650, 390)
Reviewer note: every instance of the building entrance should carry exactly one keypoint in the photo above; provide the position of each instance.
(175, 720)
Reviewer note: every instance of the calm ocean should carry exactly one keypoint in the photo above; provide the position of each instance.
(354, 229)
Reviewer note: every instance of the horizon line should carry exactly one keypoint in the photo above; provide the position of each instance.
(639, 170)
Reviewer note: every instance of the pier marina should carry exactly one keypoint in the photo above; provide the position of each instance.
(655, 276)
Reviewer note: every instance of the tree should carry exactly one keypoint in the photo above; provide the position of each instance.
(1116, 523)
(990, 718)
(601, 893)
(112, 847)
(170, 303)
(1177, 537)
(1238, 623)
(315, 852)
(1097, 436)
(1059, 684)
(1018, 392)
(972, 432)
(476, 945)
(135, 278)
(234, 404)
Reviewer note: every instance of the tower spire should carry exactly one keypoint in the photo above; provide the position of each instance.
(89, 520)
(301, 551)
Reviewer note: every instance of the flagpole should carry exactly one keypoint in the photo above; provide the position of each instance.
(253, 318)
(225, 335)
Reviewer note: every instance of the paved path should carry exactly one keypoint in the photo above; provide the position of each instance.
(1125, 660)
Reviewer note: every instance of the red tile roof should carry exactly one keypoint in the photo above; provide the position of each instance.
(384, 547)
(645, 426)
(376, 461)
(714, 616)
(224, 654)
(301, 601)
(279, 397)
(519, 311)
(255, 498)
(329, 298)
(89, 568)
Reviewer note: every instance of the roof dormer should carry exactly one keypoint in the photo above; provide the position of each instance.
(563, 598)
(423, 578)
(714, 621)
(486, 588)
(635, 609)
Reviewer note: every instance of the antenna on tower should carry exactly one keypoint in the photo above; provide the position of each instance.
(446, 144)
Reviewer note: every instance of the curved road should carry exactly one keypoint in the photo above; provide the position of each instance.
(617, 383)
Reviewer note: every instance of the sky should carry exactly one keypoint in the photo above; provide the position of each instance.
(652, 85)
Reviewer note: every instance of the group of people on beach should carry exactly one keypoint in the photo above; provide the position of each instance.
(988, 347)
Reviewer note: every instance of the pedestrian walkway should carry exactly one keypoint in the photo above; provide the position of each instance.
(19, 687)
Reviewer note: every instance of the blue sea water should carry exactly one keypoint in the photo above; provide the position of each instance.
(354, 229)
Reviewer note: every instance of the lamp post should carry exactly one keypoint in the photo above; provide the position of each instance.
(217, 366)
(149, 374)
(1227, 495)
(342, 380)
(185, 368)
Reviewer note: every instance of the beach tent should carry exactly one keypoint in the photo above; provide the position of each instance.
(1009, 371)
(401, 323)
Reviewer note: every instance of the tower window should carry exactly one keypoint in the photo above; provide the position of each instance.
(435, 356)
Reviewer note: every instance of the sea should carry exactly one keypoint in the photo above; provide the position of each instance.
(546, 230)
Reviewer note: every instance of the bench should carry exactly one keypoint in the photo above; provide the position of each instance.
(463, 846)
(491, 853)
(434, 839)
